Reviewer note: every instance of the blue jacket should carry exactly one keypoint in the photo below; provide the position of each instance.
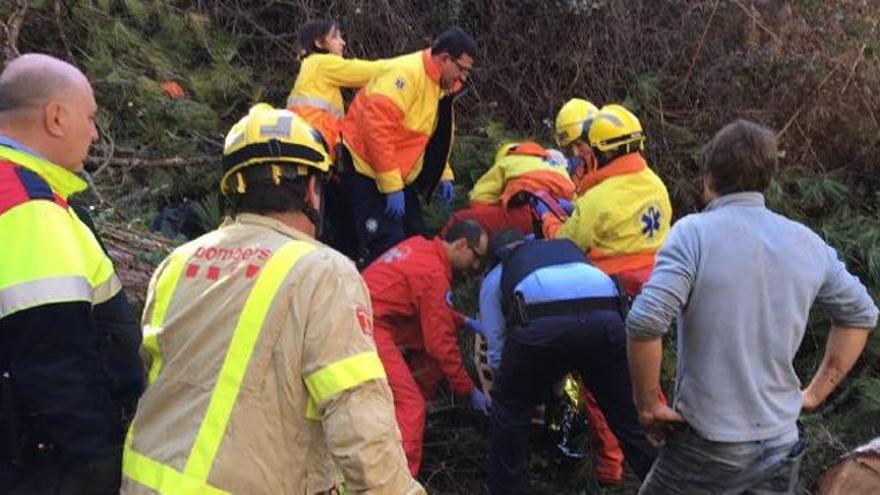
(547, 283)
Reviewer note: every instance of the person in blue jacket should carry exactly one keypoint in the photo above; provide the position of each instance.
(545, 312)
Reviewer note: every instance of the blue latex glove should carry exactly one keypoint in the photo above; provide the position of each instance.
(475, 325)
(395, 205)
(540, 208)
(573, 163)
(446, 192)
(566, 205)
(481, 402)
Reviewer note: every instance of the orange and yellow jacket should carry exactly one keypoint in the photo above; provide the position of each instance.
(317, 93)
(622, 218)
(391, 120)
(526, 167)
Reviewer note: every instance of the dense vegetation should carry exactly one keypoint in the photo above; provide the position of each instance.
(807, 68)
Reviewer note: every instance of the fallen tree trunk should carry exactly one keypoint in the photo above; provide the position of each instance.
(135, 255)
(858, 473)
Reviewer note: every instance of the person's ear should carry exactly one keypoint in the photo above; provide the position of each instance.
(55, 117)
(312, 192)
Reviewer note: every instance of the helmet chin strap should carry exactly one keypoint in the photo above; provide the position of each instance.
(316, 215)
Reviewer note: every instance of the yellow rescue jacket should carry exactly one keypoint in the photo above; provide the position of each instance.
(49, 254)
(622, 219)
(263, 373)
(317, 93)
(527, 167)
(390, 121)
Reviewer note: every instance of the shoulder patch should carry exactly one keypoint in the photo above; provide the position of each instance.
(397, 253)
(365, 321)
(648, 219)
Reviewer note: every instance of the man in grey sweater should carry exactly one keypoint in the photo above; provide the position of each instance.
(740, 280)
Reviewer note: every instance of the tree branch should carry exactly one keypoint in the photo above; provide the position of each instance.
(133, 162)
(13, 28)
(61, 32)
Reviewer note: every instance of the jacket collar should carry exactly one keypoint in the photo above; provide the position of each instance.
(624, 165)
(432, 69)
(16, 145)
(748, 198)
(271, 223)
(62, 181)
(443, 255)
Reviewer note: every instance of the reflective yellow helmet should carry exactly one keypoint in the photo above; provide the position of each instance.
(274, 137)
(572, 121)
(613, 127)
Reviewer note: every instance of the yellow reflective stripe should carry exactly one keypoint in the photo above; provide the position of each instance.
(151, 345)
(312, 413)
(244, 338)
(165, 288)
(61, 180)
(159, 477)
(342, 375)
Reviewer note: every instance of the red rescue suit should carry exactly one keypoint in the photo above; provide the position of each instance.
(410, 288)
(494, 218)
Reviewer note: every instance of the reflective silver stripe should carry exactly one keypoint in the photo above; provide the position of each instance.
(44, 291)
(281, 129)
(105, 291)
(310, 101)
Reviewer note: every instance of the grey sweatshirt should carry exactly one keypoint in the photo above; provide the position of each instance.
(741, 280)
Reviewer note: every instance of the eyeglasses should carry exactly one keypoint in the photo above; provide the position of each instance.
(476, 252)
(465, 70)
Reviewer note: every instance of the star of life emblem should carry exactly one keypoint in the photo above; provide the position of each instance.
(372, 225)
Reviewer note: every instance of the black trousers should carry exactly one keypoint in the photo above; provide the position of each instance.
(535, 357)
(57, 475)
(338, 228)
(375, 231)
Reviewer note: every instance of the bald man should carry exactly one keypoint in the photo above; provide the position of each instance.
(68, 339)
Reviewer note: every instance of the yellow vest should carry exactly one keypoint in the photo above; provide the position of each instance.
(622, 221)
(49, 255)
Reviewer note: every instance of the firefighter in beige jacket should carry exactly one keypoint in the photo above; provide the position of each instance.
(263, 374)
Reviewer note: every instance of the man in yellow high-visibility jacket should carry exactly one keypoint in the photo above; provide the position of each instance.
(263, 373)
(68, 338)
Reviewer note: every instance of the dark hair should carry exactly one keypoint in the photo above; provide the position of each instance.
(741, 157)
(605, 157)
(314, 31)
(263, 196)
(456, 43)
(465, 229)
(501, 240)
